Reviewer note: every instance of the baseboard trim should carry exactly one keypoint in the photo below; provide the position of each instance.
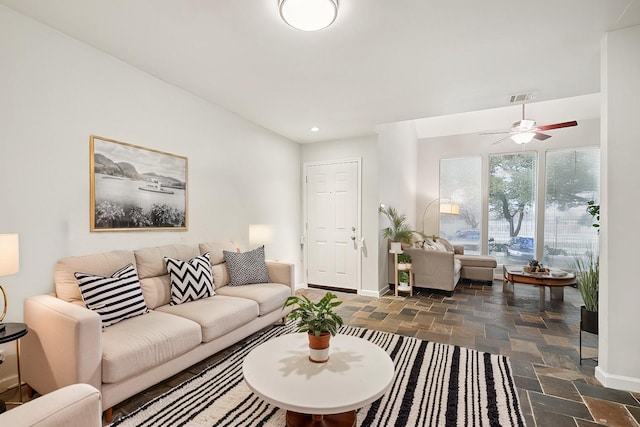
(618, 382)
(300, 286)
(374, 294)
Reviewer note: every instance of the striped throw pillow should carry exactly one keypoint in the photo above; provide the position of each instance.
(114, 298)
(190, 280)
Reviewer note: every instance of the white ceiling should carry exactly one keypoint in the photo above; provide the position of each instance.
(381, 61)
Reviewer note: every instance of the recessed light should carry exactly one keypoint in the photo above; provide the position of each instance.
(315, 129)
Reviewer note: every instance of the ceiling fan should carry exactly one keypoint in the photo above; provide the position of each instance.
(523, 131)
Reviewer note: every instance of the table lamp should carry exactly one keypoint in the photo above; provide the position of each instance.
(260, 234)
(9, 264)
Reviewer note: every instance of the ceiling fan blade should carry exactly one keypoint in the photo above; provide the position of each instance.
(541, 136)
(500, 140)
(495, 133)
(558, 125)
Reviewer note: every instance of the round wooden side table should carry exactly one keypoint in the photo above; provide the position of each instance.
(13, 332)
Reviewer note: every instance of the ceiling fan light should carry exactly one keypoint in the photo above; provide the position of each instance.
(523, 138)
(309, 15)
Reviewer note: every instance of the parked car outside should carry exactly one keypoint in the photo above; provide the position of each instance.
(520, 248)
(470, 239)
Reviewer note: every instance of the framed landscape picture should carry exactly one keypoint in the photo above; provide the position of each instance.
(136, 188)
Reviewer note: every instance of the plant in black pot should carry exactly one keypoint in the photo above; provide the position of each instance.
(588, 275)
(319, 320)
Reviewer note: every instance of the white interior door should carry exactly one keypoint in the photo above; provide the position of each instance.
(332, 224)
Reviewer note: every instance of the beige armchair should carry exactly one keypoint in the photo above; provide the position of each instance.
(77, 405)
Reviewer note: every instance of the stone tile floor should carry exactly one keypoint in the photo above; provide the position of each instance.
(543, 346)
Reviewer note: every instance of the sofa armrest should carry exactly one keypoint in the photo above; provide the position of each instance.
(77, 405)
(282, 272)
(458, 249)
(63, 345)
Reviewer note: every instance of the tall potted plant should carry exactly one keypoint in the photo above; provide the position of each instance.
(588, 274)
(398, 230)
(319, 320)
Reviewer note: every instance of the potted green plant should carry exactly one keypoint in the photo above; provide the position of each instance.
(403, 280)
(588, 275)
(398, 230)
(319, 320)
(404, 262)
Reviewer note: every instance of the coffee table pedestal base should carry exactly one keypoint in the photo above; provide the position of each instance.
(344, 419)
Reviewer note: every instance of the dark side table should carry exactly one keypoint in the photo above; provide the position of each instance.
(13, 332)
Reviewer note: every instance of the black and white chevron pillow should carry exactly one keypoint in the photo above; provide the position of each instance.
(247, 267)
(114, 298)
(190, 280)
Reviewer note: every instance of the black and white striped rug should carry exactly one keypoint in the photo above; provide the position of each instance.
(434, 385)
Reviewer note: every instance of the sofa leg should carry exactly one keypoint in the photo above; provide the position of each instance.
(108, 415)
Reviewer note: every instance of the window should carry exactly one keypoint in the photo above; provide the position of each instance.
(572, 179)
(512, 189)
(460, 182)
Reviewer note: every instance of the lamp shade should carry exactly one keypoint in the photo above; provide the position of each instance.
(9, 254)
(260, 234)
(449, 209)
(309, 15)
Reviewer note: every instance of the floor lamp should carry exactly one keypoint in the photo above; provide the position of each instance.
(9, 264)
(449, 208)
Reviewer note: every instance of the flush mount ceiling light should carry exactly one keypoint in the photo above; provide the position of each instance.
(309, 15)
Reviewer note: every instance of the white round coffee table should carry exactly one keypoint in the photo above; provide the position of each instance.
(279, 371)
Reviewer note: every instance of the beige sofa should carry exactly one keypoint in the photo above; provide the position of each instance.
(442, 267)
(66, 343)
(77, 405)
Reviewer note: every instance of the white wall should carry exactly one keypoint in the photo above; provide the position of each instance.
(367, 149)
(619, 316)
(397, 147)
(56, 91)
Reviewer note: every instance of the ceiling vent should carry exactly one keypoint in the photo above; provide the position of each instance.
(521, 97)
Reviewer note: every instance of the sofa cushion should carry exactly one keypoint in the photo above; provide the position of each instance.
(144, 342)
(216, 315)
(477, 261)
(448, 246)
(216, 250)
(100, 264)
(114, 298)
(269, 296)
(246, 267)
(220, 275)
(190, 280)
(152, 270)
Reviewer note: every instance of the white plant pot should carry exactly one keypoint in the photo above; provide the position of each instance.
(319, 356)
(396, 247)
(403, 286)
(404, 266)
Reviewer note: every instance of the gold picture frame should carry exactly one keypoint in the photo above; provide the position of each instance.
(134, 188)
